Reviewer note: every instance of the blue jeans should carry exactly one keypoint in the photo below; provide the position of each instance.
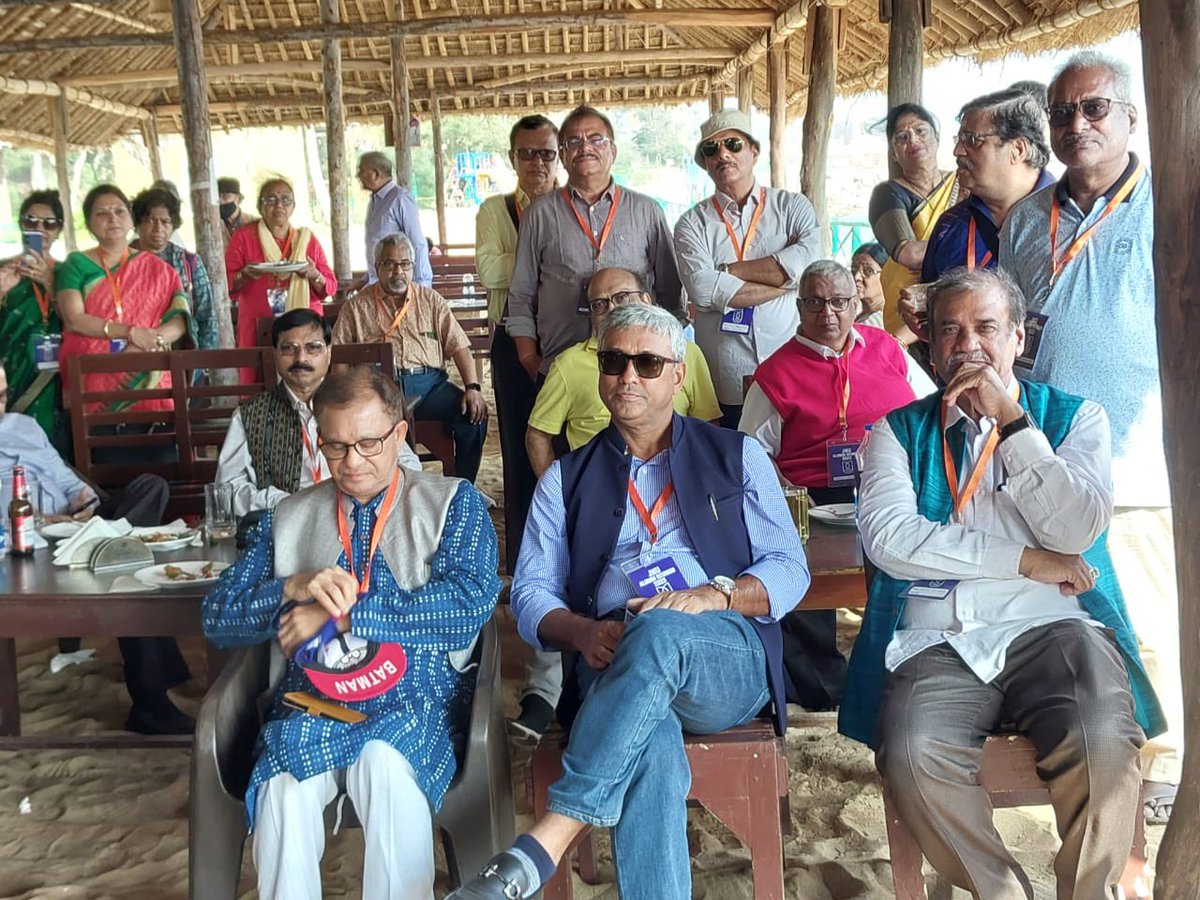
(625, 766)
(434, 399)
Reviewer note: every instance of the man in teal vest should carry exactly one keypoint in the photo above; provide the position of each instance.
(985, 507)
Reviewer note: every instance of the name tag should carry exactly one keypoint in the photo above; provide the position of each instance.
(581, 303)
(1035, 324)
(738, 321)
(117, 345)
(277, 298)
(657, 577)
(45, 348)
(840, 462)
(930, 590)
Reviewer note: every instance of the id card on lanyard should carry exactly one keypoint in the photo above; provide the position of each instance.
(1057, 264)
(652, 574)
(385, 510)
(44, 344)
(115, 283)
(841, 462)
(581, 304)
(741, 321)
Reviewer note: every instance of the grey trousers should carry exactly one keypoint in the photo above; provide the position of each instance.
(1065, 688)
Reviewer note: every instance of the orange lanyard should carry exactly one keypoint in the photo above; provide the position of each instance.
(648, 516)
(381, 518)
(1056, 264)
(310, 455)
(844, 409)
(740, 249)
(391, 329)
(989, 447)
(43, 302)
(114, 280)
(286, 249)
(987, 257)
(608, 223)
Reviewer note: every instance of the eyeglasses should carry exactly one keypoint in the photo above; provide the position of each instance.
(732, 144)
(545, 154)
(364, 447)
(647, 365)
(601, 305)
(48, 222)
(866, 270)
(917, 132)
(311, 348)
(275, 200)
(1093, 108)
(404, 265)
(595, 140)
(816, 304)
(974, 139)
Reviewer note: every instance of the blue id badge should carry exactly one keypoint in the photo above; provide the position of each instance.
(656, 577)
(44, 349)
(117, 345)
(738, 321)
(1035, 324)
(277, 298)
(840, 462)
(930, 590)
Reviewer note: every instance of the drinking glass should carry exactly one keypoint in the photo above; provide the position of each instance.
(218, 512)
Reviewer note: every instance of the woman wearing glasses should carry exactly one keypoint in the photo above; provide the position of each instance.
(867, 266)
(257, 260)
(904, 209)
(28, 316)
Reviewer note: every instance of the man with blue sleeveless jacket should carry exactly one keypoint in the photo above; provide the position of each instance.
(683, 526)
(985, 507)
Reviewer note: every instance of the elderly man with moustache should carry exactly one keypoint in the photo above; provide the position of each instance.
(985, 508)
(419, 324)
(570, 235)
(701, 552)
(1082, 252)
(391, 209)
(375, 570)
(270, 450)
(741, 253)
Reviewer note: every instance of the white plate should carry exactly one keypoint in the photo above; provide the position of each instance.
(281, 268)
(156, 576)
(61, 530)
(168, 546)
(834, 514)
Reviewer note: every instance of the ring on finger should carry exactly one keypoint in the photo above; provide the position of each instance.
(1095, 572)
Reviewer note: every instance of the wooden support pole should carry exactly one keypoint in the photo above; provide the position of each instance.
(401, 112)
(335, 143)
(60, 126)
(150, 139)
(439, 166)
(906, 57)
(777, 105)
(210, 244)
(716, 101)
(818, 118)
(1171, 58)
(745, 88)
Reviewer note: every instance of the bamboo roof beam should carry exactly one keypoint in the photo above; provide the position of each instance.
(36, 87)
(790, 20)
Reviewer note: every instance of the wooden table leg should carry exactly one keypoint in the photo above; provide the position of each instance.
(10, 701)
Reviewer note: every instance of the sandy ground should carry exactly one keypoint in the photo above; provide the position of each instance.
(113, 824)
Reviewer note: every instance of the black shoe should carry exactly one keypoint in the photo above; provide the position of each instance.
(503, 878)
(166, 719)
(536, 716)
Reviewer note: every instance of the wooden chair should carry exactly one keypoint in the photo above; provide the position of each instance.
(739, 775)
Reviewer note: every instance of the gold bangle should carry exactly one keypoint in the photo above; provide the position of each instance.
(105, 328)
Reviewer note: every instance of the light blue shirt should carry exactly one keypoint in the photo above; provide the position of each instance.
(1099, 340)
(540, 582)
(390, 210)
(24, 443)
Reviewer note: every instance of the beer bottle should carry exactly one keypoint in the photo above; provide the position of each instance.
(20, 516)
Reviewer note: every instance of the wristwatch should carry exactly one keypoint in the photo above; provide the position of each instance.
(1026, 421)
(473, 386)
(726, 586)
(722, 267)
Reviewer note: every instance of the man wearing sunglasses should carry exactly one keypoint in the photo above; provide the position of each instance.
(391, 209)
(660, 555)
(741, 253)
(403, 562)
(1082, 252)
(591, 224)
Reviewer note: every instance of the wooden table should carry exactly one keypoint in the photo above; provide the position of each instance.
(41, 600)
(835, 562)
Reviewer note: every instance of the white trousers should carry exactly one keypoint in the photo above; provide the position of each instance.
(289, 833)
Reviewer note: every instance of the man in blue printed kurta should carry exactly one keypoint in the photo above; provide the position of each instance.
(985, 507)
(376, 556)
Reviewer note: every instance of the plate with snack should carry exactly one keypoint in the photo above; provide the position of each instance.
(183, 574)
(165, 541)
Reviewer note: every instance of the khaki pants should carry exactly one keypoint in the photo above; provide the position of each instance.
(1143, 552)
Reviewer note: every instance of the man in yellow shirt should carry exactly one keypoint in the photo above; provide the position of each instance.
(570, 395)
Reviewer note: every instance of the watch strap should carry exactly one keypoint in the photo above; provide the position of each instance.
(1026, 421)
(473, 386)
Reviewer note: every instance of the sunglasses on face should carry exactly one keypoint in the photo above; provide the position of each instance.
(732, 144)
(595, 140)
(647, 365)
(816, 304)
(917, 132)
(1093, 108)
(974, 139)
(47, 222)
(545, 154)
(601, 305)
(365, 447)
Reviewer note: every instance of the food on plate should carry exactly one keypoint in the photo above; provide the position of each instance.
(175, 573)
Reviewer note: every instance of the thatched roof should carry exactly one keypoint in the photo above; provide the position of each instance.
(114, 60)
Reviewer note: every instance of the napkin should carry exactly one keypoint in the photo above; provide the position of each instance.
(127, 584)
(177, 527)
(77, 549)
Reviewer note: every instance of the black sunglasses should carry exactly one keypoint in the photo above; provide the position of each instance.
(530, 153)
(647, 365)
(1093, 108)
(732, 144)
(45, 221)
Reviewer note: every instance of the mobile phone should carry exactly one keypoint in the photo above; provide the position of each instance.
(33, 240)
(322, 709)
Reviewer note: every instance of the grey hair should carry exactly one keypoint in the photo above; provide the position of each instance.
(827, 268)
(976, 281)
(1091, 59)
(654, 319)
(1015, 115)
(396, 239)
(373, 159)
